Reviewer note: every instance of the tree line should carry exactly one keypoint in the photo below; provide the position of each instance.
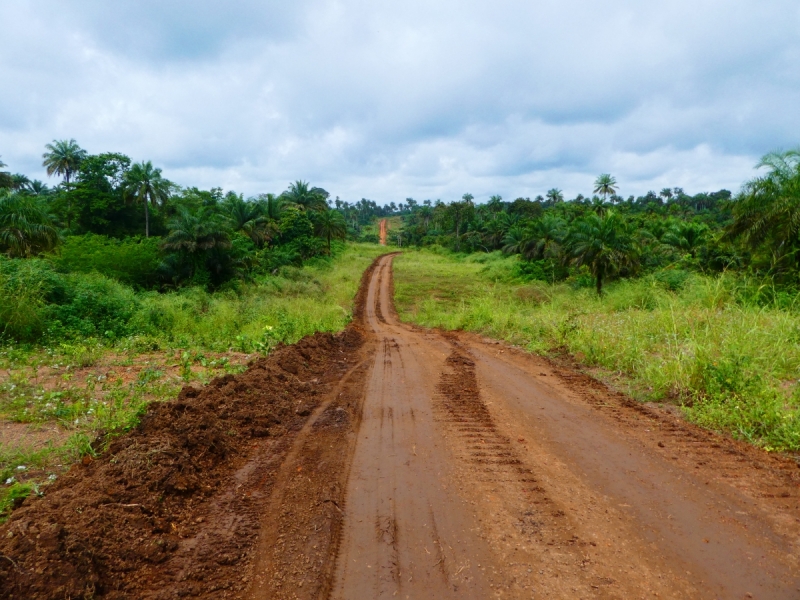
(607, 236)
(186, 235)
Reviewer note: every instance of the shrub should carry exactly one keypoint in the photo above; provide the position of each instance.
(96, 306)
(133, 261)
(38, 302)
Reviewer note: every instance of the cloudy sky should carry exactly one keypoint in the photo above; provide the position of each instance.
(422, 98)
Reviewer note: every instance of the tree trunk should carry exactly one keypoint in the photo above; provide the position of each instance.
(600, 273)
(146, 219)
(329, 243)
(69, 203)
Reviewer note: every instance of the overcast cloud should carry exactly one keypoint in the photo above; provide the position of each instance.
(387, 100)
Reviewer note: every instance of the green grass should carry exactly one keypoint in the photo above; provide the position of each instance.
(97, 384)
(711, 345)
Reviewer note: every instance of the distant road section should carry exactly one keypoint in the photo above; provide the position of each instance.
(384, 230)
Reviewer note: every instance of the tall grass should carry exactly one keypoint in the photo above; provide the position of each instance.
(725, 349)
(282, 308)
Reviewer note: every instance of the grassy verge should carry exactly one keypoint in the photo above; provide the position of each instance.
(56, 399)
(697, 341)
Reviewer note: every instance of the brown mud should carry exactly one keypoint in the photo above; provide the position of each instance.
(384, 231)
(394, 461)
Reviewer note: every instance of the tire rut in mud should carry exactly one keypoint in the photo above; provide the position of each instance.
(494, 465)
(302, 527)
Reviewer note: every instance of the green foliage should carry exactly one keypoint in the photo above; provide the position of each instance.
(94, 306)
(606, 185)
(604, 244)
(13, 495)
(295, 224)
(143, 184)
(26, 229)
(767, 212)
(726, 348)
(132, 261)
(63, 157)
(330, 225)
(305, 197)
(38, 303)
(97, 197)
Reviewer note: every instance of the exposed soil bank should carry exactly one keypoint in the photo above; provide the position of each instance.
(174, 507)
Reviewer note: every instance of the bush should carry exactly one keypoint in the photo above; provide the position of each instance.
(672, 279)
(133, 261)
(96, 306)
(26, 285)
(37, 302)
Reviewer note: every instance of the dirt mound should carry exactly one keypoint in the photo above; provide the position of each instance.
(106, 526)
(174, 507)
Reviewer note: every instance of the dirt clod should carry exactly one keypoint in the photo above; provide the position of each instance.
(172, 508)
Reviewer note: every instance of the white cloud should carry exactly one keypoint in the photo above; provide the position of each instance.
(389, 100)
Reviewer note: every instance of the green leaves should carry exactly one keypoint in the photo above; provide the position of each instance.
(605, 184)
(605, 244)
(26, 228)
(144, 184)
(63, 158)
(302, 195)
(330, 224)
(767, 211)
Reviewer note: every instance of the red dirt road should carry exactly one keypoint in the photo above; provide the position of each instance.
(479, 472)
(384, 231)
(391, 461)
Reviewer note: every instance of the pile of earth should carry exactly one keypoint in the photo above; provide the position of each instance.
(173, 508)
(105, 527)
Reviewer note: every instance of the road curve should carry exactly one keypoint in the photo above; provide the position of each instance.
(481, 472)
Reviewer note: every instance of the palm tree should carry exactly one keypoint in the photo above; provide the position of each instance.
(26, 228)
(514, 241)
(5, 177)
(554, 196)
(768, 207)
(248, 218)
(195, 240)
(63, 157)
(460, 212)
(495, 204)
(686, 236)
(605, 244)
(330, 224)
(495, 229)
(543, 238)
(666, 194)
(301, 194)
(599, 207)
(272, 205)
(19, 181)
(144, 184)
(605, 184)
(37, 188)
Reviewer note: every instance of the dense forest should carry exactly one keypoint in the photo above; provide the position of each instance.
(606, 236)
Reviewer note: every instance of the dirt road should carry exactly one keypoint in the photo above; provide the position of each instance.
(479, 472)
(391, 461)
(384, 231)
